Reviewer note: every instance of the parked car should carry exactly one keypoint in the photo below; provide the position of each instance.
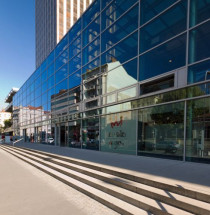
(168, 146)
(50, 140)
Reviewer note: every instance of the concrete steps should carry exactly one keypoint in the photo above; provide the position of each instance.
(117, 190)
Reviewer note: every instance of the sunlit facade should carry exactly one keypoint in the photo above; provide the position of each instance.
(129, 77)
(53, 19)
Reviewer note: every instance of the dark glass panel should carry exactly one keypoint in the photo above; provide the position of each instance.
(43, 65)
(62, 59)
(199, 43)
(75, 30)
(168, 25)
(115, 10)
(44, 86)
(199, 72)
(164, 58)
(105, 3)
(151, 8)
(63, 86)
(75, 79)
(91, 51)
(74, 134)
(159, 84)
(75, 47)
(161, 131)
(199, 11)
(51, 69)
(91, 32)
(44, 76)
(61, 74)
(92, 65)
(91, 13)
(44, 98)
(37, 82)
(50, 58)
(120, 29)
(90, 133)
(51, 81)
(38, 91)
(123, 51)
(61, 46)
(198, 131)
(75, 64)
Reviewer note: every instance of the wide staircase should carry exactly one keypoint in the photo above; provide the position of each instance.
(124, 193)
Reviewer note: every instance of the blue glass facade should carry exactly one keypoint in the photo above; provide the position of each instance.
(126, 78)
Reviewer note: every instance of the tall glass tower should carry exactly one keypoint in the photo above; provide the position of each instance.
(53, 19)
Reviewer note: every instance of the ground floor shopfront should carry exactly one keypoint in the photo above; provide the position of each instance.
(177, 129)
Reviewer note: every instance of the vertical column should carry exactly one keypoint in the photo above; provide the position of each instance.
(57, 16)
(64, 17)
(84, 5)
(72, 11)
(78, 9)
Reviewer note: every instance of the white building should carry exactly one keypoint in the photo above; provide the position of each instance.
(4, 116)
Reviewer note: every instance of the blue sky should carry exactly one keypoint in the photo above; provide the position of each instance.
(17, 44)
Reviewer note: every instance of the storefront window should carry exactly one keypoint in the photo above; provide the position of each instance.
(161, 131)
(118, 133)
(198, 131)
(90, 133)
(74, 134)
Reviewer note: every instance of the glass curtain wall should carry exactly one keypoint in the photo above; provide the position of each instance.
(115, 48)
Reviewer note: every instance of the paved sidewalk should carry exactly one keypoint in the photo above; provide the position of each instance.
(194, 176)
(24, 190)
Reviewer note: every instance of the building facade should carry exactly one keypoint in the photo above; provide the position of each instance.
(53, 19)
(129, 77)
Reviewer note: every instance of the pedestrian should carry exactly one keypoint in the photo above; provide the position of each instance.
(3, 138)
(11, 138)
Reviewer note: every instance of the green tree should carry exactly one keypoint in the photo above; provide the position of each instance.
(7, 123)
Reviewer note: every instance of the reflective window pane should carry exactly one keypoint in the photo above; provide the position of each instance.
(91, 51)
(90, 134)
(91, 13)
(123, 51)
(118, 133)
(61, 74)
(198, 131)
(75, 79)
(63, 86)
(115, 10)
(94, 64)
(168, 25)
(75, 47)
(199, 43)
(75, 64)
(151, 8)
(62, 59)
(74, 134)
(91, 32)
(164, 58)
(199, 11)
(126, 75)
(120, 29)
(161, 131)
(199, 72)
(61, 46)
(75, 30)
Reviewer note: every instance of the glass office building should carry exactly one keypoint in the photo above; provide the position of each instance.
(133, 78)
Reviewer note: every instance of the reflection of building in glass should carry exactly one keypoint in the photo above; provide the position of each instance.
(120, 82)
(53, 19)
